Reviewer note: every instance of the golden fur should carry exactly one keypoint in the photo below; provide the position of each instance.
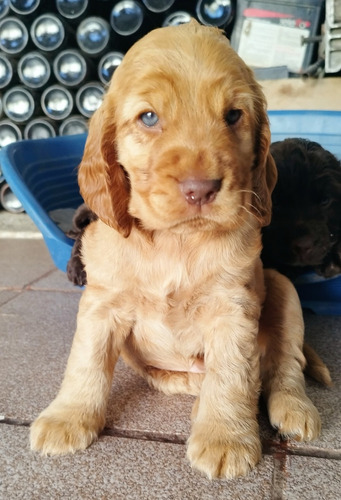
(174, 287)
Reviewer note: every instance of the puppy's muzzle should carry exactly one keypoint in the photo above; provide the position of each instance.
(199, 191)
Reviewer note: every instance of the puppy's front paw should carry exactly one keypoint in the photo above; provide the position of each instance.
(218, 456)
(294, 416)
(64, 431)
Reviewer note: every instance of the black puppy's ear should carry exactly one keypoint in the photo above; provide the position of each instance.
(290, 153)
(82, 218)
(297, 156)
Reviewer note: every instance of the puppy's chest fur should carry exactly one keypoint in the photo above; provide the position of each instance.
(172, 289)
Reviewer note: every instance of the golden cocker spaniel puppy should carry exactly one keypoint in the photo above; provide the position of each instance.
(178, 170)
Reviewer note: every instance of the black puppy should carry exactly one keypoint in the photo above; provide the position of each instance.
(305, 231)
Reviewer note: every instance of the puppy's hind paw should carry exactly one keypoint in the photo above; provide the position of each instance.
(294, 416)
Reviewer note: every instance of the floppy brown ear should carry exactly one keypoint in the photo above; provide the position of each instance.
(264, 172)
(102, 181)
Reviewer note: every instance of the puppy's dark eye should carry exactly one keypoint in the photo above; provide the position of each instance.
(324, 202)
(149, 119)
(233, 116)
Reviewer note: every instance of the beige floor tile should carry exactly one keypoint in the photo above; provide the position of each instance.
(309, 478)
(324, 334)
(36, 333)
(117, 469)
(22, 261)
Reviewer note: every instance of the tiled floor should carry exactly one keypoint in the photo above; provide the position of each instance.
(141, 454)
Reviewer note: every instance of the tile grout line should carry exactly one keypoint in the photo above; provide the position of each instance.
(271, 447)
(28, 286)
(17, 291)
(279, 475)
(144, 436)
(314, 452)
(276, 449)
(14, 422)
(53, 290)
(112, 432)
(279, 451)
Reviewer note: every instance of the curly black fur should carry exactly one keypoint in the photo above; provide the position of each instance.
(305, 230)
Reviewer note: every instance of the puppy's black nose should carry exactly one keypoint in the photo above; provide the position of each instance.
(200, 192)
(303, 247)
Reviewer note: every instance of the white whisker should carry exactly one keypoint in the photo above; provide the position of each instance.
(250, 213)
(251, 192)
(255, 208)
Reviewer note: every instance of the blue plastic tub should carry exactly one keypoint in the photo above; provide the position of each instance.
(43, 175)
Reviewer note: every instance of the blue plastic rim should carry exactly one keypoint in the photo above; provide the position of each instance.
(43, 175)
(323, 127)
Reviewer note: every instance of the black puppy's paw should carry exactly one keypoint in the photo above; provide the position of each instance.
(330, 268)
(75, 271)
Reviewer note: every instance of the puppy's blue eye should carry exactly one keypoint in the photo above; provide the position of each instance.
(149, 119)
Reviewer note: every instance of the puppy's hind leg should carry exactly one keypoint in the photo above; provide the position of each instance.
(282, 361)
